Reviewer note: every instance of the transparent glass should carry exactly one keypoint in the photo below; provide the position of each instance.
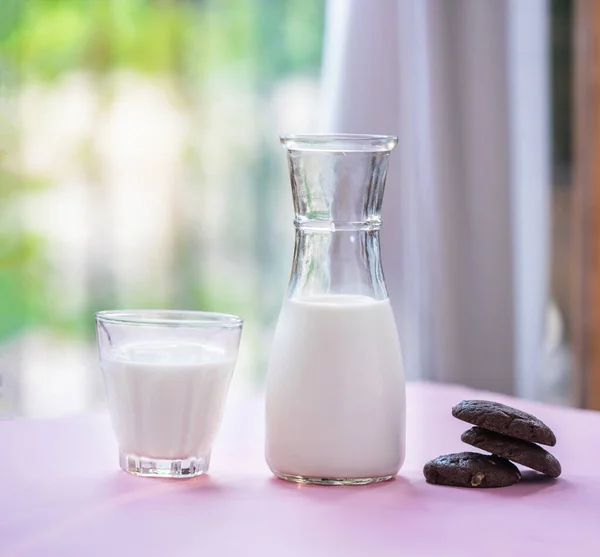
(335, 407)
(167, 375)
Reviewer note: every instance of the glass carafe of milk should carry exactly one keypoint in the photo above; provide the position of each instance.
(335, 409)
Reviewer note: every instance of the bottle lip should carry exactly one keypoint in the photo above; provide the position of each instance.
(339, 142)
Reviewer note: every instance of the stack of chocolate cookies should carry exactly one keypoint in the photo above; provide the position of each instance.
(509, 434)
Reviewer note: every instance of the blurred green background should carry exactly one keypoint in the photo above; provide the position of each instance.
(140, 167)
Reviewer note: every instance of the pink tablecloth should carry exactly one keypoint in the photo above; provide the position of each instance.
(61, 494)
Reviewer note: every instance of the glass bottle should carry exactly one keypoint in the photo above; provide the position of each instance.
(335, 406)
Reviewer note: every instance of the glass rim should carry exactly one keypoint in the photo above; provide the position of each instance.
(340, 142)
(169, 318)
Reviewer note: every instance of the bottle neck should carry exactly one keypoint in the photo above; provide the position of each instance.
(337, 261)
(337, 188)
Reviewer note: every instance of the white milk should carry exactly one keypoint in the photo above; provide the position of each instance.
(166, 399)
(335, 389)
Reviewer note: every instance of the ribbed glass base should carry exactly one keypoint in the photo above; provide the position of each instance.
(164, 468)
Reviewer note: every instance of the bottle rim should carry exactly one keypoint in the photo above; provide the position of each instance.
(342, 142)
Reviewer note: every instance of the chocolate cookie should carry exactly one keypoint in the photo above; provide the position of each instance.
(523, 452)
(504, 419)
(471, 470)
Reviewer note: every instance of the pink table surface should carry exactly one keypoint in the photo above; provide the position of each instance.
(61, 494)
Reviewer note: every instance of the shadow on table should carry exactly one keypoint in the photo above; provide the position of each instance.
(532, 483)
(337, 492)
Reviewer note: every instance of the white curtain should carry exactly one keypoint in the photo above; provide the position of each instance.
(464, 84)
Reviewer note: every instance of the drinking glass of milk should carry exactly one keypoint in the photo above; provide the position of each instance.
(166, 374)
(335, 407)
